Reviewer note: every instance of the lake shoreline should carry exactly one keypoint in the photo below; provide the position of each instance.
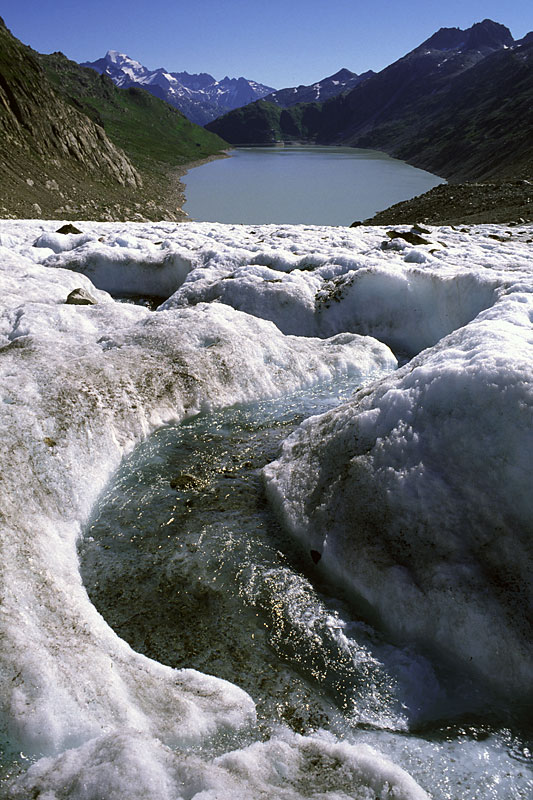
(177, 188)
(296, 184)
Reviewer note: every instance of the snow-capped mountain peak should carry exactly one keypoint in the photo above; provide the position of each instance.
(200, 97)
(122, 62)
(341, 81)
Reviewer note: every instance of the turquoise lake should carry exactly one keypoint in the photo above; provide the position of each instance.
(295, 184)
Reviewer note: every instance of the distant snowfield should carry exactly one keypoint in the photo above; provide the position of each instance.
(416, 493)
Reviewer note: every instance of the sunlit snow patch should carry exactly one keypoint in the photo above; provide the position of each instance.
(417, 495)
(430, 464)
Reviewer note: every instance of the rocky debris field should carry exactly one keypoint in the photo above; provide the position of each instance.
(453, 204)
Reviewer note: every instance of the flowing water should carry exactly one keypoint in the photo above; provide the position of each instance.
(301, 184)
(185, 560)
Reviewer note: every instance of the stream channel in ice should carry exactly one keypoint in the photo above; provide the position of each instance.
(184, 559)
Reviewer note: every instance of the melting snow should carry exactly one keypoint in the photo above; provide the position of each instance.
(416, 492)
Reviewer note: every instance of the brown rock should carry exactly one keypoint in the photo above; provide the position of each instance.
(80, 297)
(68, 229)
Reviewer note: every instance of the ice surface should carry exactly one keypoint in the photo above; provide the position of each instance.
(80, 385)
(307, 282)
(288, 767)
(416, 493)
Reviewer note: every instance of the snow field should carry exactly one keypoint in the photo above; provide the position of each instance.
(308, 284)
(416, 492)
(80, 385)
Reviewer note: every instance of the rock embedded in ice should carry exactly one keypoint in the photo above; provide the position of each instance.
(80, 297)
(412, 236)
(68, 228)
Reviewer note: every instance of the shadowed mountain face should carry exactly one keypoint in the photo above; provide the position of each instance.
(200, 97)
(483, 37)
(458, 105)
(43, 138)
(67, 146)
(342, 81)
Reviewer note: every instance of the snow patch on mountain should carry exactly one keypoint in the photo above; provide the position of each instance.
(200, 97)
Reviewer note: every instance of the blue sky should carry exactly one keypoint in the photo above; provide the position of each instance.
(280, 42)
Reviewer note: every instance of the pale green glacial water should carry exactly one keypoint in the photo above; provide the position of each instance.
(295, 184)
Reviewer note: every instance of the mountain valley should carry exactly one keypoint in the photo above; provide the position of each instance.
(460, 105)
(82, 140)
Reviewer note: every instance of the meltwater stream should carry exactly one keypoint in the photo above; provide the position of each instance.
(187, 563)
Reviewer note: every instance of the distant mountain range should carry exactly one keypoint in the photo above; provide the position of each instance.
(459, 105)
(200, 97)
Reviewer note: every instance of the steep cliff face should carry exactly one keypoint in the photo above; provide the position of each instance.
(50, 153)
(70, 149)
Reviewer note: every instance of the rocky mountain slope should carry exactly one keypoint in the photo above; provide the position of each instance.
(342, 81)
(462, 122)
(200, 97)
(459, 105)
(72, 144)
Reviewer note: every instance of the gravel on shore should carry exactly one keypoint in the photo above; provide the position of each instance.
(460, 203)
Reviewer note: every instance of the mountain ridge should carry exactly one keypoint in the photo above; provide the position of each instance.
(199, 96)
(342, 81)
(409, 109)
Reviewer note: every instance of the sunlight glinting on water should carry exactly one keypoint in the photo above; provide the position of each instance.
(186, 562)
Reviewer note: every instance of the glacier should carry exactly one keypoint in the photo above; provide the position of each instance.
(414, 492)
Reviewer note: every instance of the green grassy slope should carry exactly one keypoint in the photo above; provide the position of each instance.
(74, 146)
(145, 127)
(264, 122)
